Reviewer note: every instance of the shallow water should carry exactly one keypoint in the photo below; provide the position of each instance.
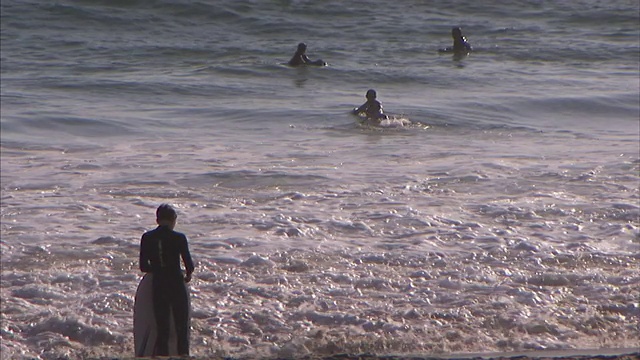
(503, 218)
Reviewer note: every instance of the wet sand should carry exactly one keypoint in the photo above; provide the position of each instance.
(599, 354)
(496, 356)
(629, 356)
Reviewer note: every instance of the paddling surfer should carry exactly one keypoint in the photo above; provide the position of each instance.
(300, 57)
(160, 252)
(372, 108)
(460, 44)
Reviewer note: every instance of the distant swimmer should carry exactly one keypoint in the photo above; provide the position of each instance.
(460, 44)
(372, 109)
(160, 252)
(300, 58)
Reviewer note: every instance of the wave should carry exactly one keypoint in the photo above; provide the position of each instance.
(246, 179)
(181, 59)
(583, 114)
(53, 125)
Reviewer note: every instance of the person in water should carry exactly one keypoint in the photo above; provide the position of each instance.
(460, 44)
(372, 108)
(160, 253)
(300, 58)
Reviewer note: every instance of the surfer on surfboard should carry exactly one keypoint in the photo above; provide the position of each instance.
(460, 44)
(300, 58)
(372, 109)
(160, 252)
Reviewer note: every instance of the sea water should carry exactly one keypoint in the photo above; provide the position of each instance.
(503, 217)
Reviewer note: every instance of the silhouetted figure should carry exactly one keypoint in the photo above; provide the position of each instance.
(460, 44)
(160, 252)
(300, 58)
(372, 109)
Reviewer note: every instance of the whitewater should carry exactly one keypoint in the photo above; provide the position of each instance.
(503, 216)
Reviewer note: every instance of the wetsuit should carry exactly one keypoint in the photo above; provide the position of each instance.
(299, 59)
(461, 46)
(160, 253)
(373, 109)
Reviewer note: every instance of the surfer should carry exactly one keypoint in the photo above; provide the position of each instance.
(460, 44)
(372, 108)
(160, 253)
(300, 58)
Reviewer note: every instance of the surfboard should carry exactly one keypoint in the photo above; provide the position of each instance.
(318, 62)
(392, 121)
(144, 321)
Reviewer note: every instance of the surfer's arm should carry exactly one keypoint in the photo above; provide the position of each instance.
(360, 109)
(145, 263)
(298, 59)
(382, 114)
(186, 258)
(466, 44)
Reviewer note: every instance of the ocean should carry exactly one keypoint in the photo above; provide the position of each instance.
(503, 217)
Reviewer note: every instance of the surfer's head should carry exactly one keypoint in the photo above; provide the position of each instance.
(302, 47)
(371, 94)
(166, 215)
(456, 32)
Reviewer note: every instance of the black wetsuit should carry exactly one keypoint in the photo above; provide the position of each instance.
(461, 46)
(160, 253)
(373, 109)
(299, 58)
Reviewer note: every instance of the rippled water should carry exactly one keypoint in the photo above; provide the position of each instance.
(503, 218)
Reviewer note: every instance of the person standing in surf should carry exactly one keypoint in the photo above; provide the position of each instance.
(300, 58)
(160, 252)
(460, 44)
(372, 108)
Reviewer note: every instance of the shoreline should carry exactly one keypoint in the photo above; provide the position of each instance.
(570, 354)
(554, 354)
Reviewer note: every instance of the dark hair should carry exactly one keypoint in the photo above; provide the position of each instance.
(166, 212)
(371, 93)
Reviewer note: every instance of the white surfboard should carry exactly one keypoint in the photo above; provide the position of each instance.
(392, 121)
(144, 321)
